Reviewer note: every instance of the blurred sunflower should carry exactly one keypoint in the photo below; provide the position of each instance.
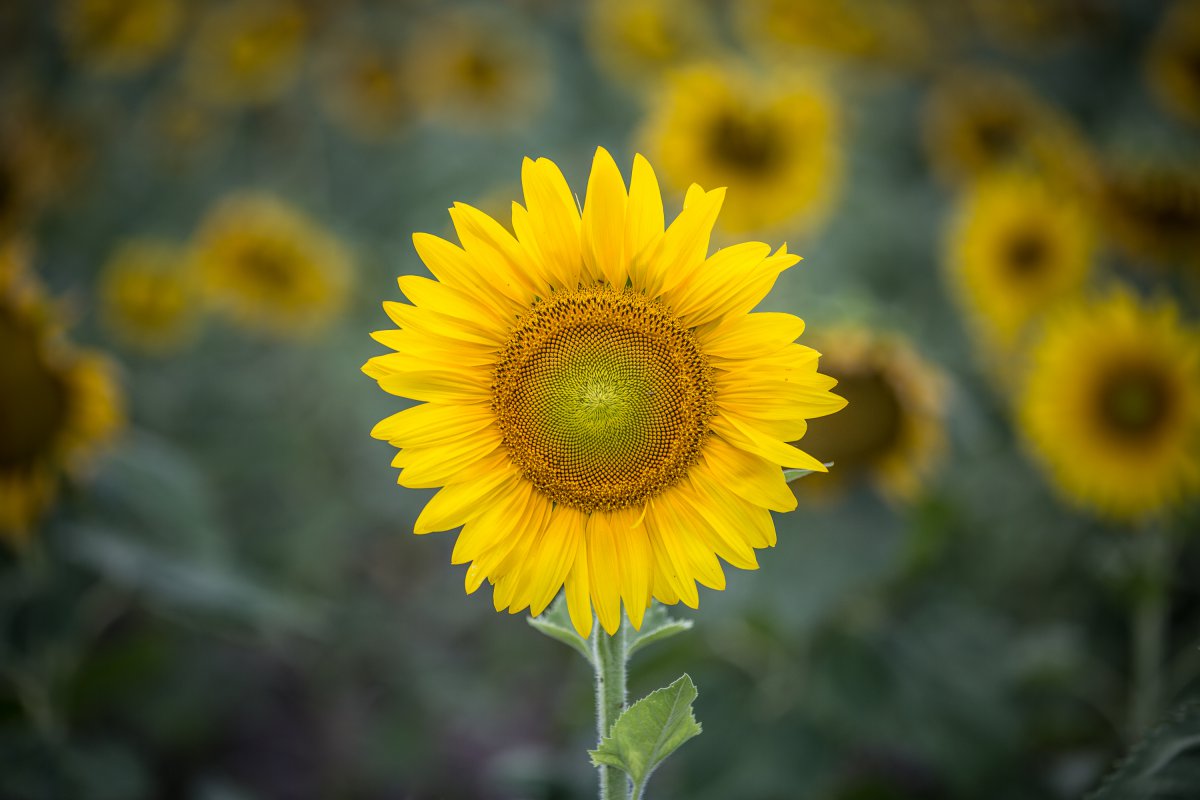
(148, 295)
(270, 266)
(59, 404)
(246, 53)
(597, 402)
(477, 69)
(638, 40)
(363, 88)
(41, 156)
(775, 143)
(1111, 406)
(1151, 209)
(1032, 25)
(1016, 247)
(1173, 63)
(892, 431)
(978, 121)
(877, 31)
(120, 36)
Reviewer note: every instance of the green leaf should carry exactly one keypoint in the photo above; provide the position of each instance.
(1165, 765)
(649, 731)
(556, 623)
(790, 475)
(656, 626)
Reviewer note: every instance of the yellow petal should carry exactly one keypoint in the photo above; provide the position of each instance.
(643, 220)
(553, 220)
(747, 475)
(605, 571)
(604, 222)
(579, 604)
(749, 438)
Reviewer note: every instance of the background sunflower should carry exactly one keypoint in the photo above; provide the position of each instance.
(218, 597)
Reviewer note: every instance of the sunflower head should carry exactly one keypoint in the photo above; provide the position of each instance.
(59, 404)
(246, 53)
(1152, 210)
(120, 36)
(597, 404)
(772, 142)
(640, 41)
(1173, 63)
(363, 88)
(891, 432)
(149, 297)
(270, 266)
(1017, 247)
(1111, 406)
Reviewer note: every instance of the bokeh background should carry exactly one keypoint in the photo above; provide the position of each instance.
(208, 584)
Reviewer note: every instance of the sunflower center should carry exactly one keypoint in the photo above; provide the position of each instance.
(866, 429)
(1134, 402)
(602, 398)
(998, 136)
(1027, 254)
(33, 404)
(743, 141)
(267, 266)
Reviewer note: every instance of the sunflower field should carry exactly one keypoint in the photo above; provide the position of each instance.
(833, 364)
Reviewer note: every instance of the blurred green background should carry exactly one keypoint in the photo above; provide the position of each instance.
(228, 603)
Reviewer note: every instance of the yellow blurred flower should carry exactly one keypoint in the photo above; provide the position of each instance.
(149, 297)
(892, 431)
(879, 31)
(1111, 406)
(1016, 247)
(120, 36)
(41, 155)
(60, 404)
(637, 41)
(246, 52)
(1151, 209)
(271, 267)
(1034, 25)
(978, 121)
(773, 141)
(363, 88)
(477, 69)
(1174, 61)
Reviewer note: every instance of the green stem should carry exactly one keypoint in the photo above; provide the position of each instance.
(609, 656)
(1149, 633)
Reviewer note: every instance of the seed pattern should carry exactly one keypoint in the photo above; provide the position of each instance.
(602, 397)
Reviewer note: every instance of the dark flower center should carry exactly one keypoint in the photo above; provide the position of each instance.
(745, 142)
(33, 404)
(864, 431)
(1134, 402)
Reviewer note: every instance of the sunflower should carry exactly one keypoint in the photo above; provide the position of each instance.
(1111, 406)
(1151, 209)
(977, 121)
(59, 404)
(1173, 64)
(246, 53)
(1017, 246)
(773, 143)
(1024, 25)
(270, 266)
(363, 88)
(872, 31)
(598, 403)
(638, 41)
(149, 298)
(120, 36)
(892, 430)
(478, 69)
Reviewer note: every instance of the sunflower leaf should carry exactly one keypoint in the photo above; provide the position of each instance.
(790, 475)
(649, 731)
(1165, 764)
(555, 622)
(656, 626)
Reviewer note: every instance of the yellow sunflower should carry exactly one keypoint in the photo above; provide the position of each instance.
(1024, 25)
(271, 267)
(58, 407)
(1151, 209)
(892, 431)
(363, 88)
(1017, 246)
(477, 69)
(148, 294)
(638, 41)
(773, 142)
(878, 31)
(246, 53)
(596, 400)
(1111, 406)
(120, 36)
(1174, 61)
(977, 121)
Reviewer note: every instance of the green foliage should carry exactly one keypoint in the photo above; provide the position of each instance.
(649, 731)
(657, 625)
(555, 622)
(1165, 765)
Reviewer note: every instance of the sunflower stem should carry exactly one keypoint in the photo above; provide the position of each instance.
(1149, 631)
(609, 656)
